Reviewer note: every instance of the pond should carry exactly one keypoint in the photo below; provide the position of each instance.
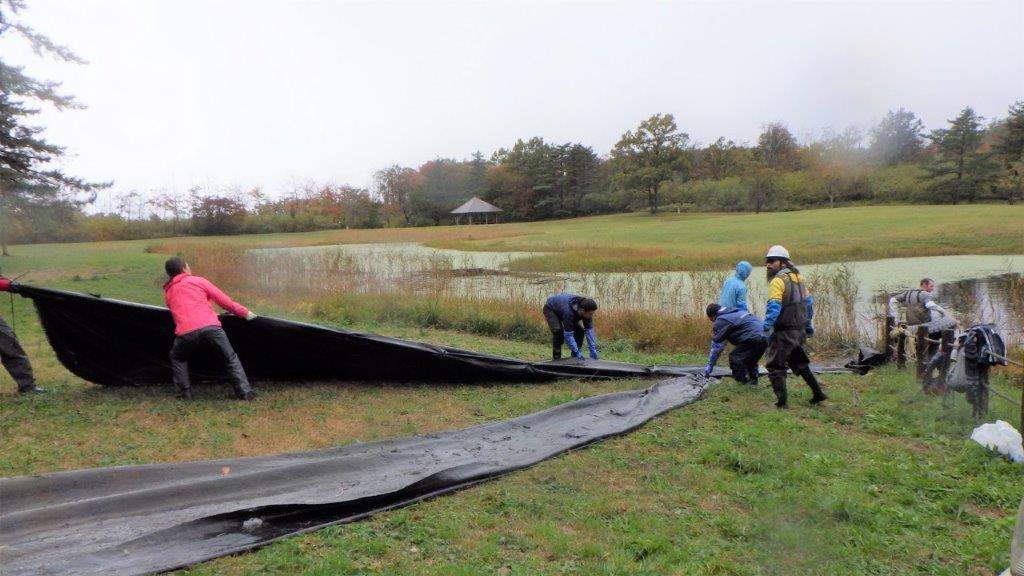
(975, 288)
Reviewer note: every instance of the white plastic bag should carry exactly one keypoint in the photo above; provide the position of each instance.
(1001, 437)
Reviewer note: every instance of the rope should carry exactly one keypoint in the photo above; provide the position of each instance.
(14, 323)
(1004, 396)
(906, 332)
(1005, 359)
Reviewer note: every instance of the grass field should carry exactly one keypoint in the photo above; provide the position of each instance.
(640, 242)
(881, 480)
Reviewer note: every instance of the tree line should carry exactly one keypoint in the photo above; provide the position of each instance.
(655, 167)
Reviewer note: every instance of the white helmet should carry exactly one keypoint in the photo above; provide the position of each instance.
(777, 252)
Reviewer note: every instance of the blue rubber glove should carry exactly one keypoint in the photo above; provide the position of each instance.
(716, 351)
(707, 371)
(573, 346)
(809, 330)
(592, 343)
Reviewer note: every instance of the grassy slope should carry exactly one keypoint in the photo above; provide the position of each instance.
(880, 481)
(688, 241)
(629, 242)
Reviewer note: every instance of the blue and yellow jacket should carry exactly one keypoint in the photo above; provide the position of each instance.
(790, 305)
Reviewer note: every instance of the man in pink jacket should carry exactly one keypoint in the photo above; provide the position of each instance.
(196, 325)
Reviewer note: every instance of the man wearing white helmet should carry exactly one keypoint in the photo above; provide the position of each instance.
(787, 319)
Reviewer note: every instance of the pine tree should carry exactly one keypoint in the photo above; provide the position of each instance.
(28, 182)
(960, 170)
(1010, 150)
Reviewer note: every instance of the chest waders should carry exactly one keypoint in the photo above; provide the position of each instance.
(786, 344)
(926, 335)
(914, 301)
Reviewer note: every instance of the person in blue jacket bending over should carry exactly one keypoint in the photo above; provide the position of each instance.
(744, 331)
(571, 317)
(734, 290)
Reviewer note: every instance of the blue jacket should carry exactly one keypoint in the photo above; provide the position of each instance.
(734, 290)
(734, 326)
(564, 306)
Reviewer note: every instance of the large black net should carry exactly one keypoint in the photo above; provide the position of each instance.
(118, 343)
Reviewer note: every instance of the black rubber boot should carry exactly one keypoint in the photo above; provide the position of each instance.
(779, 387)
(812, 382)
(184, 394)
(31, 389)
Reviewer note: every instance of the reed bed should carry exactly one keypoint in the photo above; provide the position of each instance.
(460, 291)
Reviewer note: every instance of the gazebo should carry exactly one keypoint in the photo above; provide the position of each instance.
(476, 206)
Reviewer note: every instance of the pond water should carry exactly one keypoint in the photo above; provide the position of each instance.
(976, 288)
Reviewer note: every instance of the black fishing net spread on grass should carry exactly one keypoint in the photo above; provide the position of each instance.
(116, 343)
(145, 519)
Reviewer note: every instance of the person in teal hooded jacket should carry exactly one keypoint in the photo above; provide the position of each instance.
(734, 290)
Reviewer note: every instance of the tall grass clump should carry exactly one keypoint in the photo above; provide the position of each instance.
(834, 289)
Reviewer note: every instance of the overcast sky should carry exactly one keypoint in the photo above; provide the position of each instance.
(269, 93)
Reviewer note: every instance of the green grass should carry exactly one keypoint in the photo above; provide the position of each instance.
(640, 242)
(881, 480)
(635, 242)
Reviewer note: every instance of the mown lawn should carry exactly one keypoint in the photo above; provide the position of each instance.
(881, 480)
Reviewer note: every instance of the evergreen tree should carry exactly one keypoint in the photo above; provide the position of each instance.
(960, 170)
(533, 165)
(478, 174)
(581, 174)
(1010, 151)
(897, 138)
(28, 182)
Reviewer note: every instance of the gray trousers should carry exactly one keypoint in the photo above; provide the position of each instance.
(212, 336)
(14, 359)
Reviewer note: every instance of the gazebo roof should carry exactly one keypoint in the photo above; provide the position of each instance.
(476, 206)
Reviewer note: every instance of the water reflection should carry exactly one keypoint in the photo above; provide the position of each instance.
(992, 300)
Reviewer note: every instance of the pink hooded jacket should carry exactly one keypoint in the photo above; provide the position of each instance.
(189, 297)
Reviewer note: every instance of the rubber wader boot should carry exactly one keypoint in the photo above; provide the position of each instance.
(184, 394)
(812, 381)
(779, 387)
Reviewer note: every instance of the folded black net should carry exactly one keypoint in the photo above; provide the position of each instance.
(144, 519)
